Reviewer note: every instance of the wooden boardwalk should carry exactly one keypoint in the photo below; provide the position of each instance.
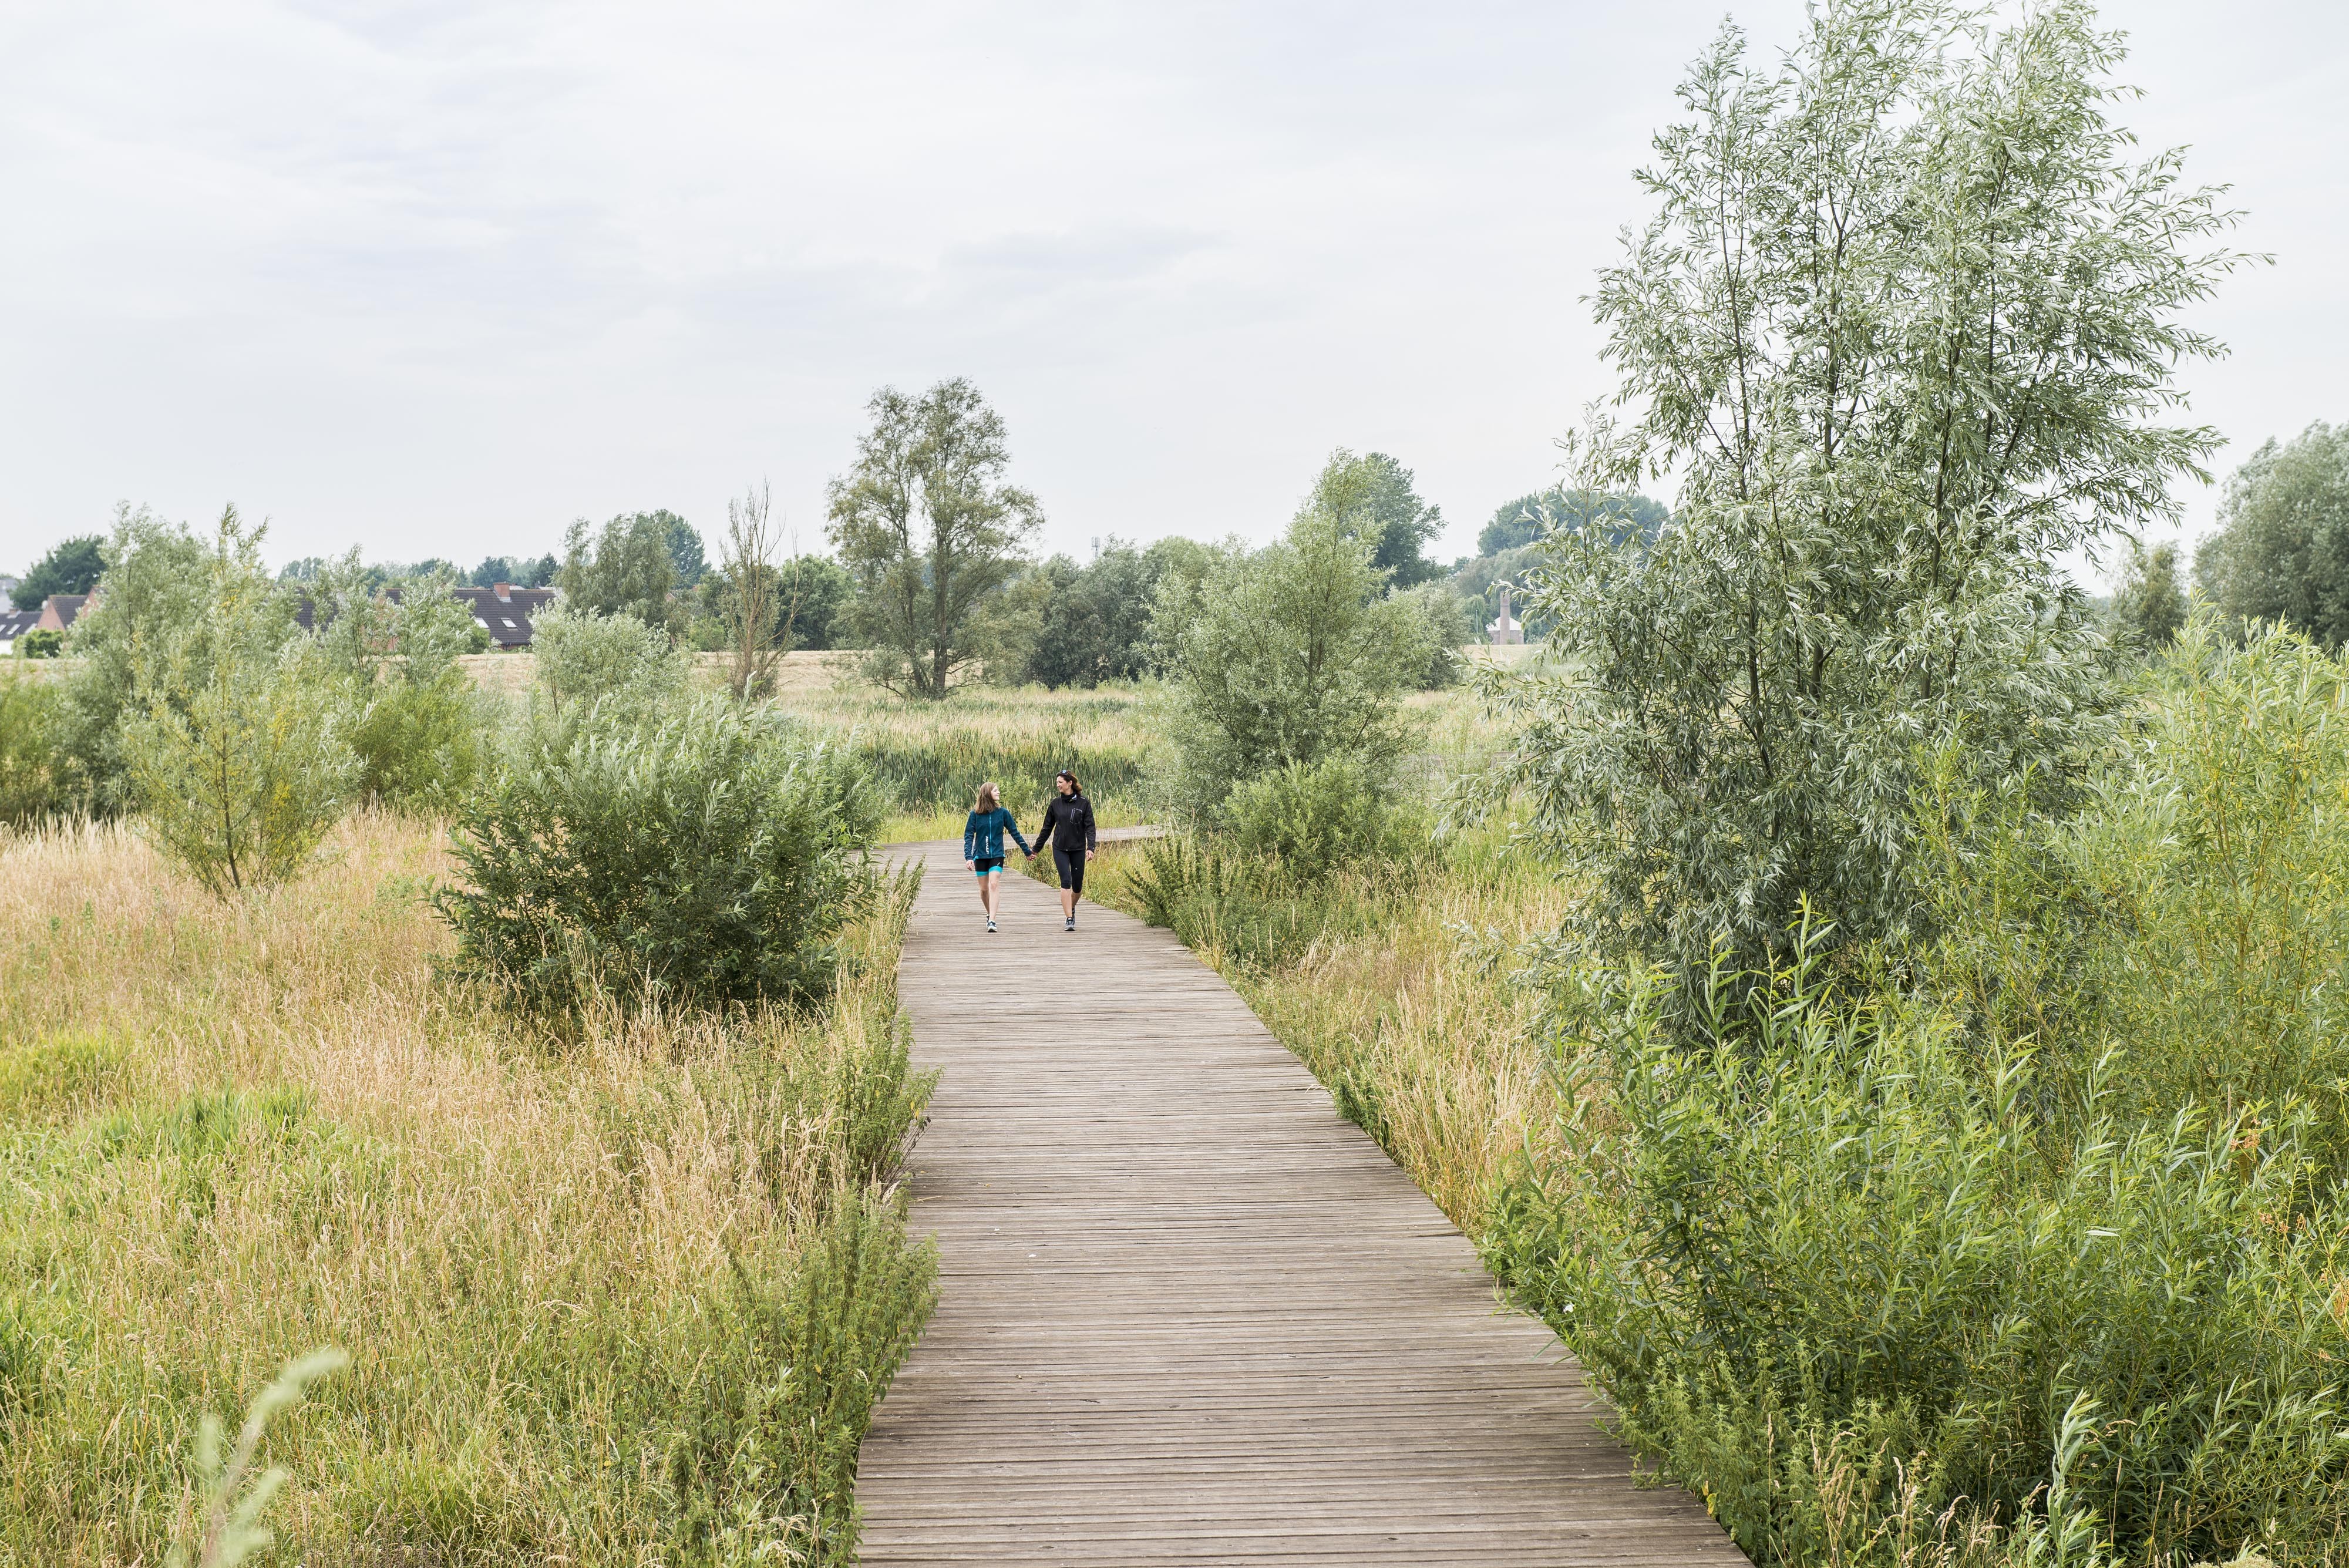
(1189, 1316)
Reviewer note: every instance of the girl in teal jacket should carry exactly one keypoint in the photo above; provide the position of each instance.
(982, 846)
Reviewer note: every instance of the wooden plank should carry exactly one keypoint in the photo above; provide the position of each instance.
(1188, 1313)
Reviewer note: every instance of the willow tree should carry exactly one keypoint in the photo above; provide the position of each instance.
(239, 761)
(1906, 322)
(929, 533)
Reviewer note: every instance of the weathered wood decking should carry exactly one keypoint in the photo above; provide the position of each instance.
(1189, 1315)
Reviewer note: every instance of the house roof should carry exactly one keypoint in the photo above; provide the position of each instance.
(506, 617)
(15, 623)
(58, 610)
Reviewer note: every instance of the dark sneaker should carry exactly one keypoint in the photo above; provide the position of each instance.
(1070, 925)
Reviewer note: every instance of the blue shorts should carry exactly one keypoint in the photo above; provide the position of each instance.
(983, 867)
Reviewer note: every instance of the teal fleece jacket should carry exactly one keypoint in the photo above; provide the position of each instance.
(982, 836)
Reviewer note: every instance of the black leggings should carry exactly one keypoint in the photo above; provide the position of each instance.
(1072, 863)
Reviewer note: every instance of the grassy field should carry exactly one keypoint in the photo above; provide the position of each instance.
(595, 1289)
(929, 758)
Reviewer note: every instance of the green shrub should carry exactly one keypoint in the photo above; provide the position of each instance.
(39, 778)
(41, 644)
(1822, 1228)
(238, 761)
(1290, 654)
(1313, 817)
(410, 709)
(762, 1445)
(707, 856)
(154, 596)
(587, 660)
(1222, 900)
(2195, 914)
(419, 744)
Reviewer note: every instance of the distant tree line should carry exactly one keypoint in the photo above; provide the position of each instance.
(930, 573)
(2281, 553)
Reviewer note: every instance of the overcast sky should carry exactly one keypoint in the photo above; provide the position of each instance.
(435, 278)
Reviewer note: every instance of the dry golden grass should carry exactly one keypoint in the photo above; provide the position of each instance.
(239, 1133)
(1408, 1003)
(511, 672)
(1434, 1039)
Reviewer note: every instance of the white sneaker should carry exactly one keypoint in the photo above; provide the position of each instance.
(990, 925)
(1070, 925)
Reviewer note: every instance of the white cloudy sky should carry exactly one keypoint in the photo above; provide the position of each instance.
(435, 278)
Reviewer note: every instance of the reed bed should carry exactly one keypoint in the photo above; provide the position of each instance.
(621, 1297)
(928, 759)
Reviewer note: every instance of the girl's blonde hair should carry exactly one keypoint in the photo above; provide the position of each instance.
(990, 797)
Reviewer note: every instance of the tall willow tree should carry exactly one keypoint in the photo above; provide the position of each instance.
(929, 533)
(1905, 323)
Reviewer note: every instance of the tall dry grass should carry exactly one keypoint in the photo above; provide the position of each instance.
(573, 1276)
(1403, 989)
(928, 759)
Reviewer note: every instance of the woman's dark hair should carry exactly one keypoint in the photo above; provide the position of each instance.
(1074, 787)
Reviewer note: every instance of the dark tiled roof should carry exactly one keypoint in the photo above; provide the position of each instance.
(507, 620)
(62, 608)
(15, 623)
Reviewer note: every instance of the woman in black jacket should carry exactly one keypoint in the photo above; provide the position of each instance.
(1068, 829)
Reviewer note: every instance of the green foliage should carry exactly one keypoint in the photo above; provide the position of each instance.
(1084, 625)
(1620, 514)
(44, 1077)
(523, 573)
(39, 778)
(623, 568)
(1445, 617)
(1238, 906)
(1290, 654)
(2281, 551)
(585, 659)
(812, 591)
(704, 855)
(1907, 322)
(685, 551)
(2149, 605)
(1373, 497)
(919, 773)
(2194, 916)
(409, 709)
(155, 588)
(1313, 817)
(770, 1453)
(1816, 1226)
(239, 759)
(40, 643)
(72, 567)
(419, 744)
(929, 534)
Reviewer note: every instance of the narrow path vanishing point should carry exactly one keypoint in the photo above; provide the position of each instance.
(1187, 1314)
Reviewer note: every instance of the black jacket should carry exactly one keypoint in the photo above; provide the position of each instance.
(1068, 823)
